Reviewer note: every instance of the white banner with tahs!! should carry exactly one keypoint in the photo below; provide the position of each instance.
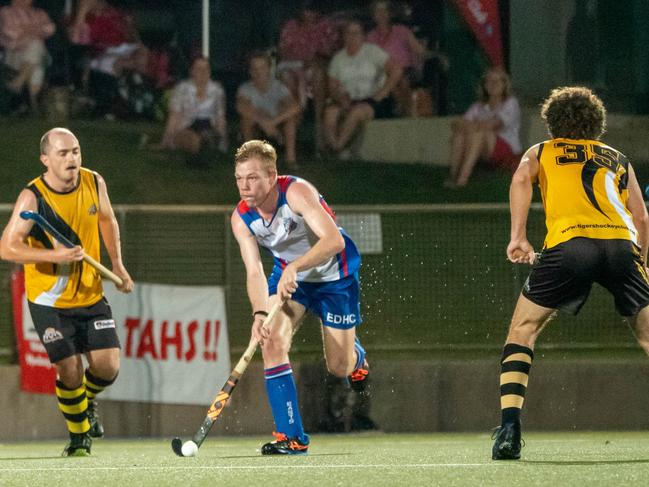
(174, 343)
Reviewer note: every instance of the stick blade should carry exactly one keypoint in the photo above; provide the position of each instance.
(177, 446)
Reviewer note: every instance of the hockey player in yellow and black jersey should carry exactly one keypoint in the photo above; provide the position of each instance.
(65, 294)
(597, 232)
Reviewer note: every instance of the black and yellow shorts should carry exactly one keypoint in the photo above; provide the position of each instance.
(564, 275)
(68, 331)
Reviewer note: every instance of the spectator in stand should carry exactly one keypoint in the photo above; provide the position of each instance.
(361, 78)
(265, 104)
(196, 114)
(113, 45)
(23, 30)
(306, 44)
(488, 131)
(404, 49)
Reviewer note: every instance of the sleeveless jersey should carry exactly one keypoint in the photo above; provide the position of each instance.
(75, 215)
(584, 189)
(288, 237)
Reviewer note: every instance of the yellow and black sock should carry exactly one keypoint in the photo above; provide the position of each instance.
(514, 373)
(94, 385)
(74, 406)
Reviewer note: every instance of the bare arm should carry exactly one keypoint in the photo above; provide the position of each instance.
(494, 124)
(256, 284)
(246, 109)
(13, 245)
(289, 109)
(45, 26)
(170, 130)
(415, 46)
(638, 211)
(110, 235)
(337, 92)
(221, 126)
(304, 200)
(393, 72)
(519, 249)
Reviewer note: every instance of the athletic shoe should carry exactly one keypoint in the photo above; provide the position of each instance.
(96, 428)
(508, 442)
(79, 445)
(283, 445)
(357, 379)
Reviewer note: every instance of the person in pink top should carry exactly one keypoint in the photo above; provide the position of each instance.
(488, 131)
(306, 43)
(23, 30)
(402, 46)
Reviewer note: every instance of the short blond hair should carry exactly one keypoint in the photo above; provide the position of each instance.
(260, 149)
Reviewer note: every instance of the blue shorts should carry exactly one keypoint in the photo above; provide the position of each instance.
(337, 303)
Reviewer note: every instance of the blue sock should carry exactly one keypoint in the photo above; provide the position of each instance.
(282, 396)
(360, 353)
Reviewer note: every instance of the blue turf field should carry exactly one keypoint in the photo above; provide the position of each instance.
(554, 459)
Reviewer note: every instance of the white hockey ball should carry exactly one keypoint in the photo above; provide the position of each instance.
(190, 449)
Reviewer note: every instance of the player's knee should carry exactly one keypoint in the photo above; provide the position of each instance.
(275, 347)
(106, 369)
(340, 367)
(69, 374)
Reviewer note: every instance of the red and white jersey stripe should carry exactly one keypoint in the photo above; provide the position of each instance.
(287, 237)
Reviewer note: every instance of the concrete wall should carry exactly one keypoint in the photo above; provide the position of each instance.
(408, 395)
(538, 46)
(426, 140)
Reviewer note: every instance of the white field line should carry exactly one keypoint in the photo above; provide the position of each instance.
(253, 467)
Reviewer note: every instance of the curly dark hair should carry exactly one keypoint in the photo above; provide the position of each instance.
(574, 112)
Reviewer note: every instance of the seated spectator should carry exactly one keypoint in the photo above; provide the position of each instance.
(488, 131)
(361, 78)
(113, 46)
(196, 114)
(306, 44)
(266, 105)
(23, 30)
(404, 49)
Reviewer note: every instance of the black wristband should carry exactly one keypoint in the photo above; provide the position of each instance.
(263, 313)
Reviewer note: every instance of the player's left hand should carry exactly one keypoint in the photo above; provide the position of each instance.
(287, 284)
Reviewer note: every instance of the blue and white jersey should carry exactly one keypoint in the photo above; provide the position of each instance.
(288, 237)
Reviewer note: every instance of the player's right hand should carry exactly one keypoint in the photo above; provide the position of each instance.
(521, 252)
(65, 255)
(259, 332)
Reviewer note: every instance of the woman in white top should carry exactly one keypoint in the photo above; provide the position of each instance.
(196, 113)
(361, 78)
(488, 131)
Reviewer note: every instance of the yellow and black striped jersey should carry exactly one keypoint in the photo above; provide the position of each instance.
(584, 189)
(76, 215)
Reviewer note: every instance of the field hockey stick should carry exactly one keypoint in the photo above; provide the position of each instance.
(224, 394)
(47, 226)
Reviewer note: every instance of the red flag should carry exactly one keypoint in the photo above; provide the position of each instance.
(484, 20)
(37, 374)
